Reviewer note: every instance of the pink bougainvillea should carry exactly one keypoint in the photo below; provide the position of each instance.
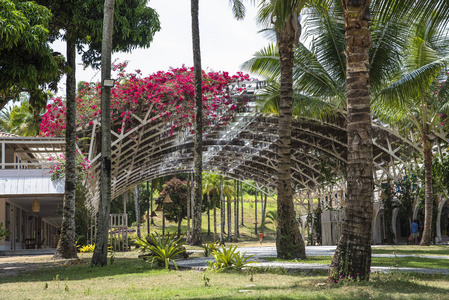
(167, 96)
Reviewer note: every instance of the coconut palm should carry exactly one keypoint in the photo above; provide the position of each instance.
(319, 79)
(211, 184)
(283, 18)
(20, 119)
(416, 101)
(239, 12)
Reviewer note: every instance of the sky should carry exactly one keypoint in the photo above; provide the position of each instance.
(225, 42)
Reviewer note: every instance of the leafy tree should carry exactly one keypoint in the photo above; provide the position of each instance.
(79, 23)
(176, 211)
(20, 119)
(27, 63)
(3, 232)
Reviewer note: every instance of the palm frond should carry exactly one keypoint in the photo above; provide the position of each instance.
(311, 77)
(412, 86)
(265, 63)
(325, 26)
(238, 9)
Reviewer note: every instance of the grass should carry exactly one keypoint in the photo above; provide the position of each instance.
(246, 232)
(409, 262)
(131, 278)
(412, 250)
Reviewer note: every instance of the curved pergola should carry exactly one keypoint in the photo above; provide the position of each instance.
(244, 149)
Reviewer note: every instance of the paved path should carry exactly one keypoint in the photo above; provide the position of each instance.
(261, 252)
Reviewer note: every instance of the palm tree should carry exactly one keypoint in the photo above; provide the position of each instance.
(20, 119)
(196, 238)
(322, 76)
(211, 184)
(412, 103)
(283, 17)
(239, 12)
(101, 250)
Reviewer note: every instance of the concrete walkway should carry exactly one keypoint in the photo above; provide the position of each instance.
(260, 253)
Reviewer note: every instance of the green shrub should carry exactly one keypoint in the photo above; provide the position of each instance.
(210, 247)
(3, 232)
(229, 259)
(162, 249)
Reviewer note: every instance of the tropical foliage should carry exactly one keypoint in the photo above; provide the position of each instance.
(27, 62)
(177, 210)
(231, 258)
(163, 249)
(3, 232)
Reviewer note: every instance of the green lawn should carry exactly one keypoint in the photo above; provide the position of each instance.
(130, 278)
(412, 250)
(246, 232)
(410, 262)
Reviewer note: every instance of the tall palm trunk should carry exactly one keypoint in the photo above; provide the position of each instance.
(189, 199)
(353, 254)
(67, 244)
(264, 212)
(196, 238)
(222, 212)
(241, 197)
(101, 249)
(289, 243)
(215, 219)
(255, 213)
(137, 206)
(208, 215)
(236, 211)
(228, 208)
(428, 204)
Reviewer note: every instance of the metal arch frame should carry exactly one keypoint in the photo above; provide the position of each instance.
(255, 134)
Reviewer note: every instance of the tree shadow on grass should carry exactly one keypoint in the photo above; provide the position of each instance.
(384, 289)
(49, 271)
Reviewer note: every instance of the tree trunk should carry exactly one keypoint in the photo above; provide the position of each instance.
(215, 219)
(137, 204)
(353, 254)
(222, 212)
(241, 197)
(289, 243)
(264, 212)
(67, 243)
(179, 227)
(196, 238)
(189, 199)
(101, 245)
(229, 219)
(208, 215)
(255, 213)
(236, 212)
(428, 198)
(151, 204)
(148, 209)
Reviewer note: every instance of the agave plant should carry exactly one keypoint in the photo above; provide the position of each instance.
(162, 248)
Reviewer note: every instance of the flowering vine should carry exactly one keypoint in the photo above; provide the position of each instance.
(162, 96)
